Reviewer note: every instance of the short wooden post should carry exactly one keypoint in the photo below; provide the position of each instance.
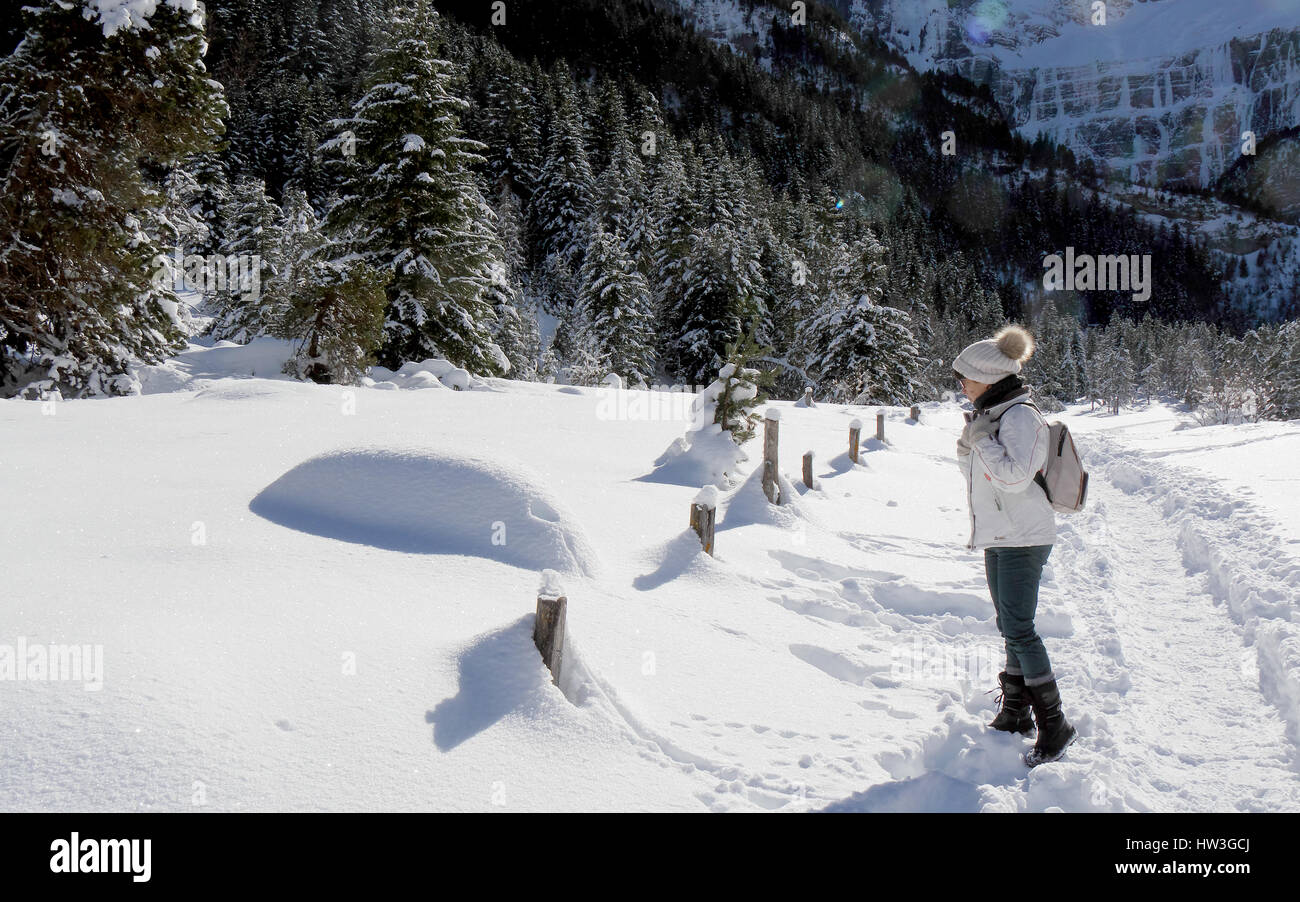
(771, 486)
(704, 509)
(807, 469)
(855, 438)
(807, 396)
(548, 632)
(880, 426)
(916, 413)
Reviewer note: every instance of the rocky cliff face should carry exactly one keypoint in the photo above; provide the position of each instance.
(1162, 90)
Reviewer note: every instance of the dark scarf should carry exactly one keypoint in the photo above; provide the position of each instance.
(1004, 389)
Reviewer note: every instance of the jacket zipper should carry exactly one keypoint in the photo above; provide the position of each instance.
(970, 501)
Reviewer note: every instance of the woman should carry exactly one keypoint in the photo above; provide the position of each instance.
(1001, 450)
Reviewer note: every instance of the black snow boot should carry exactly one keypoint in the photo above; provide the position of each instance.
(1014, 716)
(1054, 731)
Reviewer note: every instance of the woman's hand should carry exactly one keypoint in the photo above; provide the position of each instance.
(976, 429)
(979, 427)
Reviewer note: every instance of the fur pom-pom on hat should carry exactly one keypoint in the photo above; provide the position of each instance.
(1015, 342)
(995, 358)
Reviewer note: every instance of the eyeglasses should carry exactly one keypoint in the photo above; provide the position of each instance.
(961, 380)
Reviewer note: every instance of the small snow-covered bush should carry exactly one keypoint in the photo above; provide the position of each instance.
(722, 419)
(730, 399)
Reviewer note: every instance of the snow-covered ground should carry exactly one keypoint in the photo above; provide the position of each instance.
(318, 597)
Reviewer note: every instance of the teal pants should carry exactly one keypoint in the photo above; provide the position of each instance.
(1013, 576)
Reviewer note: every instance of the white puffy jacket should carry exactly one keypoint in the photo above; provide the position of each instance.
(1008, 508)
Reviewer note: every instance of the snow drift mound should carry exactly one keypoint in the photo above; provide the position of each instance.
(707, 456)
(429, 502)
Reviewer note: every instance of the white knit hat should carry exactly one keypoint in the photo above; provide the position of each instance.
(995, 358)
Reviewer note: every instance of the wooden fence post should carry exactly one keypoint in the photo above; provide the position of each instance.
(855, 438)
(807, 469)
(548, 632)
(807, 396)
(916, 413)
(771, 485)
(880, 426)
(704, 510)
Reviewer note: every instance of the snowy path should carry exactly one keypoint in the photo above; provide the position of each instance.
(1181, 712)
(1169, 609)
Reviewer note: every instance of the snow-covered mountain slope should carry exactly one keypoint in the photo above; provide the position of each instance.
(292, 653)
(1269, 180)
(1163, 90)
(1257, 254)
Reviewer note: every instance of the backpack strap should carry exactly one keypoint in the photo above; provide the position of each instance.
(1038, 477)
(1017, 404)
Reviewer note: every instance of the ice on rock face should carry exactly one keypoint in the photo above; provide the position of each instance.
(1158, 92)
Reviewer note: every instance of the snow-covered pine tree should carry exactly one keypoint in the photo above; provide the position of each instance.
(516, 325)
(1050, 370)
(249, 265)
(616, 308)
(785, 279)
(511, 330)
(637, 225)
(857, 348)
(1285, 395)
(334, 311)
(180, 223)
(718, 297)
(607, 123)
(84, 99)
(1261, 366)
(1116, 374)
(611, 203)
(563, 199)
(1191, 366)
(909, 287)
(1083, 368)
(179, 227)
(740, 387)
(306, 166)
(579, 360)
(721, 286)
(508, 121)
(299, 253)
(337, 316)
(214, 196)
(676, 214)
(410, 205)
